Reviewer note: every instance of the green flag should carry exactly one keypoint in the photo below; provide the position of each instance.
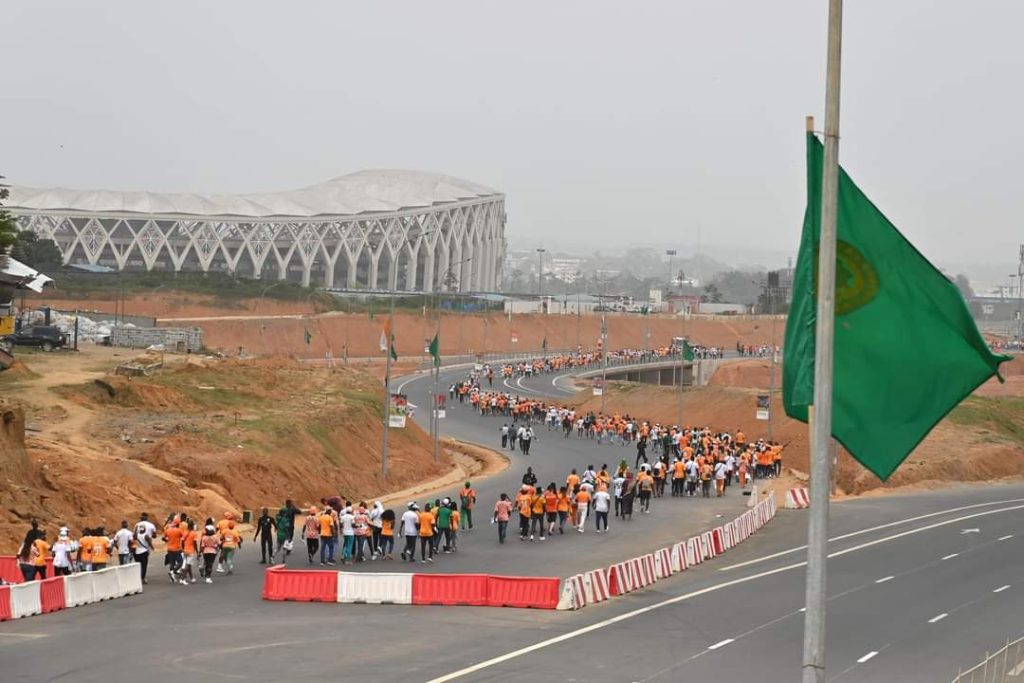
(544, 344)
(906, 348)
(435, 349)
(309, 337)
(687, 351)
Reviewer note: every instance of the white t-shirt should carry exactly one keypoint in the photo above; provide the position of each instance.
(720, 470)
(601, 501)
(410, 523)
(123, 539)
(61, 550)
(347, 520)
(144, 533)
(617, 484)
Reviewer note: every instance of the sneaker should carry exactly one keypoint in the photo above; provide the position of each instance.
(430, 559)
(423, 561)
(321, 564)
(184, 582)
(542, 538)
(561, 530)
(449, 552)
(220, 570)
(580, 530)
(209, 580)
(531, 537)
(193, 579)
(170, 575)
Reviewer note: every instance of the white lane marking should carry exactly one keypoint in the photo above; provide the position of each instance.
(884, 579)
(875, 528)
(802, 609)
(721, 643)
(1005, 538)
(25, 636)
(570, 635)
(1001, 588)
(867, 656)
(950, 557)
(938, 618)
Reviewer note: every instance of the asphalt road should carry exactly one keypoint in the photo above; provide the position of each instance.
(899, 564)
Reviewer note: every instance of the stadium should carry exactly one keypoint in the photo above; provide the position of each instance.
(375, 229)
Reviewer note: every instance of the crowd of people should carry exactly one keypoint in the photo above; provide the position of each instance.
(193, 550)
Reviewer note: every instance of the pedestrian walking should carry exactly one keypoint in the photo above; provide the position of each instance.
(502, 513)
(266, 529)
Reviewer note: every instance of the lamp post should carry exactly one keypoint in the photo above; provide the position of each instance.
(670, 253)
(540, 272)
(579, 276)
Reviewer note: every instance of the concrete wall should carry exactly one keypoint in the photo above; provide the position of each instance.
(173, 338)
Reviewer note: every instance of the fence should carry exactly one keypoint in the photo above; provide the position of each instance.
(1002, 666)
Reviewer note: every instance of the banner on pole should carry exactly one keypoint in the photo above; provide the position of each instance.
(598, 386)
(398, 410)
(763, 406)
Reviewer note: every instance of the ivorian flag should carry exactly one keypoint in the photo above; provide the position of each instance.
(435, 349)
(906, 349)
(387, 340)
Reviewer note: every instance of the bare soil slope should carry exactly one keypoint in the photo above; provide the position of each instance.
(204, 436)
(981, 440)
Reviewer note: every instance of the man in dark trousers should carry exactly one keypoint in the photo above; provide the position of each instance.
(266, 529)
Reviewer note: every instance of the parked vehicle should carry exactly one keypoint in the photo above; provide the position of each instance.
(46, 337)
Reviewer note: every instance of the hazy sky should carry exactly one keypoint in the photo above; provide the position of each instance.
(605, 123)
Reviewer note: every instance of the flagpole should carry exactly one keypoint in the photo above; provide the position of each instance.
(387, 387)
(817, 527)
(437, 373)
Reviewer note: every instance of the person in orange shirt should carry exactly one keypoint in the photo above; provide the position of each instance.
(426, 535)
(582, 504)
(562, 506)
(100, 549)
(678, 477)
(776, 451)
(537, 504)
(230, 541)
(523, 506)
(174, 537)
(190, 551)
(85, 550)
(38, 552)
(573, 480)
(387, 534)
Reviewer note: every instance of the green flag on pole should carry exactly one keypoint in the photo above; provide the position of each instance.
(687, 351)
(906, 348)
(435, 349)
(544, 344)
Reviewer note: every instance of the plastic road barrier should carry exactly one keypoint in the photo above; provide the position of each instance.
(5, 603)
(573, 594)
(798, 499)
(595, 586)
(78, 589)
(105, 584)
(51, 595)
(522, 591)
(663, 563)
(450, 589)
(300, 585)
(679, 557)
(129, 578)
(25, 599)
(378, 589)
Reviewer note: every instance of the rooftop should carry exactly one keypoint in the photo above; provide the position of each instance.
(372, 191)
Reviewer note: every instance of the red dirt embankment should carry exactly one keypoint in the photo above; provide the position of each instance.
(203, 436)
(976, 442)
(469, 333)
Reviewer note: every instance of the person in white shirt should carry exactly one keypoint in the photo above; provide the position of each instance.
(618, 484)
(376, 524)
(62, 554)
(123, 543)
(720, 478)
(411, 530)
(348, 532)
(602, 501)
(145, 532)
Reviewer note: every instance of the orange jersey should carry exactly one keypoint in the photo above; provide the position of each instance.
(174, 537)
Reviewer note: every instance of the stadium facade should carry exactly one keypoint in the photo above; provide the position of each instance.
(377, 230)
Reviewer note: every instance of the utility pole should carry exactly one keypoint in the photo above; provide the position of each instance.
(770, 293)
(387, 387)
(579, 276)
(670, 253)
(821, 432)
(604, 344)
(540, 272)
(434, 407)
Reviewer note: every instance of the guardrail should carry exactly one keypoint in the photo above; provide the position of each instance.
(1006, 665)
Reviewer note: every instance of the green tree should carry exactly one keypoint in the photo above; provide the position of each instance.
(964, 285)
(8, 228)
(35, 252)
(711, 294)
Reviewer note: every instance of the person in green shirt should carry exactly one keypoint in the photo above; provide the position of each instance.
(467, 498)
(444, 525)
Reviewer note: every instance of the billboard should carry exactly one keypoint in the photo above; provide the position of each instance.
(398, 410)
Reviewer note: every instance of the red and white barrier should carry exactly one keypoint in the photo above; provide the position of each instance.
(694, 552)
(679, 557)
(798, 499)
(78, 589)
(377, 589)
(663, 563)
(25, 600)
(620, 579)
(707, 545)
(280, 583)
(645, 570)
(573, 594)
(595, 586)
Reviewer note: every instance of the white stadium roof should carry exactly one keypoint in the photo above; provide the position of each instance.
(371, 191)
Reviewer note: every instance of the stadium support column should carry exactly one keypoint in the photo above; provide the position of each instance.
(411, 267)
(428, 268)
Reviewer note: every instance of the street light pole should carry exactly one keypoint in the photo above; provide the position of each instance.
(604, 344)
(540, 273)
(670, 253)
